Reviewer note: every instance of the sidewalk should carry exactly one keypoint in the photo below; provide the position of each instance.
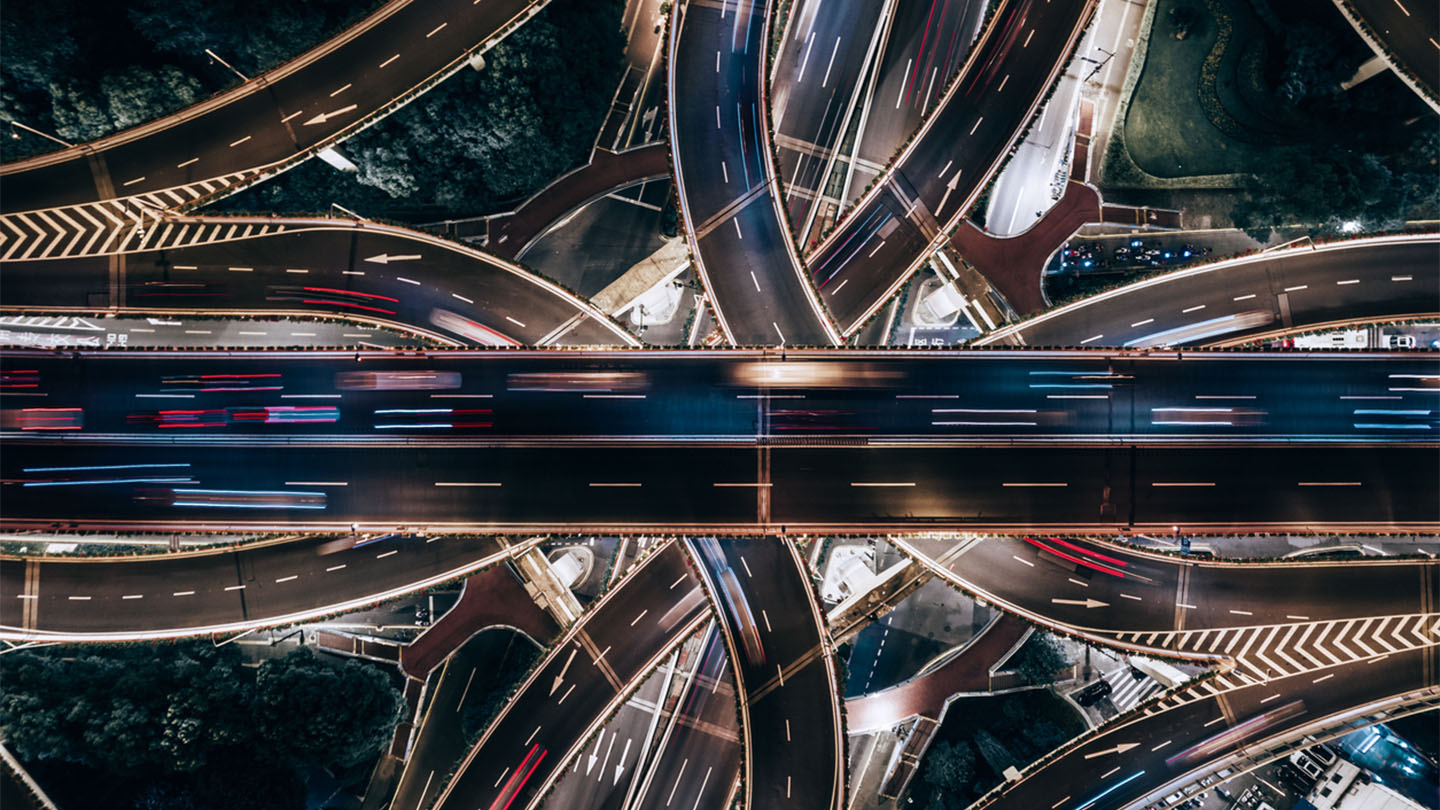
(1014, 264)
(492, 597)
(507, 234)
(927, 693)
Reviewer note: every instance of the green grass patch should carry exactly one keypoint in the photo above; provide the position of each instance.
(1168, 130)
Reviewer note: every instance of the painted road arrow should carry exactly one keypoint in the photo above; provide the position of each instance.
(1089, 603)
(559, 679)
(323, 117)
(619, 769)
(1119, 749)
(949, 187)
(385, 258)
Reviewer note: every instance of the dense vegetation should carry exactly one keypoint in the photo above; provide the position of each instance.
(1360, 159)
(83, 70)
(478, 141)
(1253, 90)
(186, 725)
(981, 737)
(481, 139)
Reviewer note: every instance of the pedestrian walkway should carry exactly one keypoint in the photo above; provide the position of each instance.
(927, 694)
(508, 234)
(1015, 265)
(492, 597)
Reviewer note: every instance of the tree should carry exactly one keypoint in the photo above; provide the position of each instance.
(1330, 189)
(1040, 659)
(168, 707)
(1182, 21)
(314, 712)
(950, 766)
(1312, 66)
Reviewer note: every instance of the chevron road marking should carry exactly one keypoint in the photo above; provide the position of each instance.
(1266, 652)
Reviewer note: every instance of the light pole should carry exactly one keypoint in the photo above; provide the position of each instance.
(217, 58)
(35, 131)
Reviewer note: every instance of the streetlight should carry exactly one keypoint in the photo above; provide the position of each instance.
(16, 135)
(216, 57)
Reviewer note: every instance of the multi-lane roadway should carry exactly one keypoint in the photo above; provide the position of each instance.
(733, 442)
(582, 680)
(934, 180)
(1295, 289)
(276, 118)
(340, 268)
(730, 201)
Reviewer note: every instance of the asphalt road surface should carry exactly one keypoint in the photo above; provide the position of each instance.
(831, 50)
(790, 698)
(1410, 30)
(695, 488)
(925, 43)
(275, 117)
(1197, 727)
(1367, 278)
(606, 654)
(728, 194)
(1110, 589)
(704, 743)
(214, 591)
(864, 261)
(1026, 397)
(320, 267)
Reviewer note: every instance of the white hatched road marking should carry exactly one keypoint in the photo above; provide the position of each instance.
(1266, 652)
(127, 224)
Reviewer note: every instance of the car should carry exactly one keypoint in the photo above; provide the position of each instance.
(1306, 765)
(1094, 693)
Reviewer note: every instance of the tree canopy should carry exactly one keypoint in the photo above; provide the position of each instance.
(1040, 659)
(481, 139)
(1333, 189)
(190, 720)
